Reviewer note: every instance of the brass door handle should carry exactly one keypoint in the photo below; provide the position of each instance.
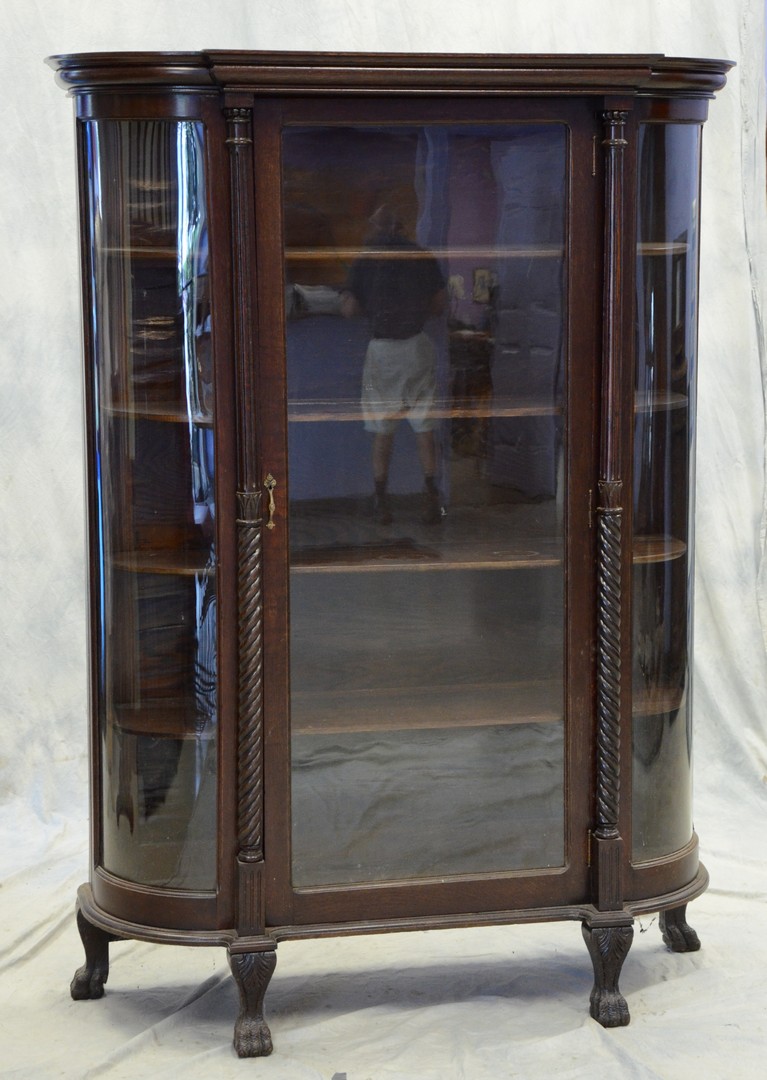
(270, 484)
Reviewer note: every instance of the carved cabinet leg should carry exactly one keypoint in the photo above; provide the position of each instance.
(252, 972)
(90, 978)
(678, 935)
(608, 947)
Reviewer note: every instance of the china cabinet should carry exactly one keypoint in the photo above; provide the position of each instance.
(390, 375)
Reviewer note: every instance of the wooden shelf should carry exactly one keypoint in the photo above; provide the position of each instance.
(481, 253)
(659, 247)
(319, 411)
(426, 707)
(141, 253)
(411, 556)
(446, 707)
(165, 719)
(325, 411)
(162, 412)
(399, 555)
(663, 401)
(657, 549)
(396, 556)
(657, 701)
(180, 563)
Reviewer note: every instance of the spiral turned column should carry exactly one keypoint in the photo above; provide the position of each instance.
(609, 519)
(607, 839)
(251, 696)
(607, 842)
(250, 722)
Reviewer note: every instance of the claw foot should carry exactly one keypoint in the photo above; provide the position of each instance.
(252, 972)
(608, 947)
(609, 1008)
(677, 933)
(252, 1038)
(88, 983)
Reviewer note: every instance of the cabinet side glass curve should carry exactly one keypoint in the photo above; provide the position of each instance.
(667, 291)
(155, 493)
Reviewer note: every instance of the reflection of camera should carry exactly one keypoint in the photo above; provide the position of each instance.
(301, 300)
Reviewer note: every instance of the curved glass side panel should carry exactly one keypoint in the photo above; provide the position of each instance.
(667, 271)
(151, 327)
(425, 271)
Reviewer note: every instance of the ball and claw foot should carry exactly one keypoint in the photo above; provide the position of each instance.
(252, 972)
(677, 933)
(608, 947)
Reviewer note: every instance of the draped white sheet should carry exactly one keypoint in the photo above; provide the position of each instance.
(481, 1003)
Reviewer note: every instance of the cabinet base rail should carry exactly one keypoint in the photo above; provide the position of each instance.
(252, 958)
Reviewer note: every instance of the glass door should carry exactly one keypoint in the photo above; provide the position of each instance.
(426, 272)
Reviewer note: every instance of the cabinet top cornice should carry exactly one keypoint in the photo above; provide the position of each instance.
(391, 73)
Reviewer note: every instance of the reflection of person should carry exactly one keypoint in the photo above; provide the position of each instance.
(397, 286)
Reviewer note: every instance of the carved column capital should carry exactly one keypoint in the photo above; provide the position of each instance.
(238, 127)
(614, 122)
(249, 507)
(610, 494)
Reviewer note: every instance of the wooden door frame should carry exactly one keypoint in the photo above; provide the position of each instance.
(517, 889)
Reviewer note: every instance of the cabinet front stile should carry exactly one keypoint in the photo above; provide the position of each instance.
(255, 511)
(614, 554)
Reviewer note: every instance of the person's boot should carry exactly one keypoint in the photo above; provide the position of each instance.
(381, 506)
(432, 510)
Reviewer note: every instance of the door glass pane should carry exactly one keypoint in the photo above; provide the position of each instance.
(151, 327)
(667, 269)
(424, 282)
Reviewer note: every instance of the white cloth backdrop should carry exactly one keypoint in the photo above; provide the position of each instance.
(486, 1003)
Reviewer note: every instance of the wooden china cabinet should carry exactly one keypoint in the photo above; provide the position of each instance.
(390, 373)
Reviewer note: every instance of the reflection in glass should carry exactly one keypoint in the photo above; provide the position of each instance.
(424, 281)
(155, 488)
(667, 264)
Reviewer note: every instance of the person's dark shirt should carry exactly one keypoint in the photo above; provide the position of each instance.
(395, 290)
